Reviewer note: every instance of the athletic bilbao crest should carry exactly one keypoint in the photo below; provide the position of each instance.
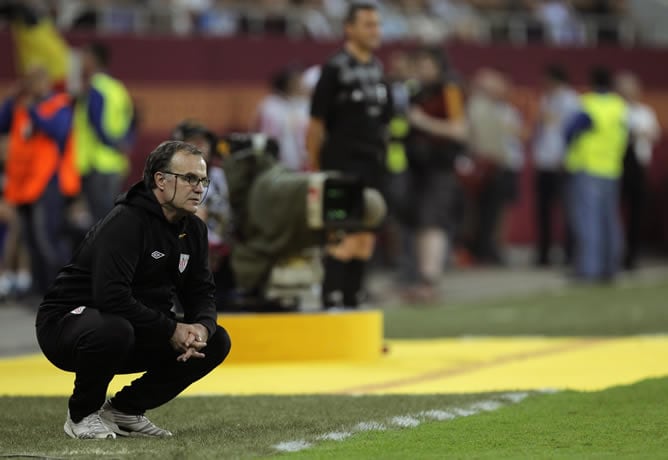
(183, 262)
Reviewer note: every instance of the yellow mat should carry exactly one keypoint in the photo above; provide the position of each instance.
(410, 366)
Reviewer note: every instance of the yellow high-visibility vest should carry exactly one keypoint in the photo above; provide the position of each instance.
(92, 153)
(599, 151)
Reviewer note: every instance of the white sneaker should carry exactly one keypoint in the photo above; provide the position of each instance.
(130, 425)
(90, 427)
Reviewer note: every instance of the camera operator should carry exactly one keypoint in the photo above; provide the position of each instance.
(350, 110)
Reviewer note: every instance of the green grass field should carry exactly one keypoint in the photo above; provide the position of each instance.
(623, 422)
(630, 308)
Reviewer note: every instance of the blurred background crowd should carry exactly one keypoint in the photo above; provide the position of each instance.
(123, 75)
(561, 22)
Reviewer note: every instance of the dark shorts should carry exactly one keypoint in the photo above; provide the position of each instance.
(432, 199)
(372, 173)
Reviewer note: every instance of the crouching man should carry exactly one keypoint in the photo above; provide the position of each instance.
(110, 309)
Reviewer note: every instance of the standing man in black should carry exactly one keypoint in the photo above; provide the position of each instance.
(110, 309)
(347, 132)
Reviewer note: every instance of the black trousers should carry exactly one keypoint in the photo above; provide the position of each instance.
(499, 190)
(97, 346)
(634, 192)
(550, 192)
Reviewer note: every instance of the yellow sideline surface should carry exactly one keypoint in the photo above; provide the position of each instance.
(350, 335)
(457, 365)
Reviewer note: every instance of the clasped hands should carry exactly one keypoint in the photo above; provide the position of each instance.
(190, 339)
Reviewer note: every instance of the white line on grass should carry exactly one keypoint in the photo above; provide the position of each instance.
(439, 415)
(293, 446)
(335, 436)
(514, 397)
(405, 421)
(369, 426)
(410, 420)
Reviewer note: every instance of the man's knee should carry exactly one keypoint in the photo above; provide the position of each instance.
(218, 346)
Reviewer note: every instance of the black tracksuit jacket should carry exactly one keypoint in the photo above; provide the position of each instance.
(133, 264)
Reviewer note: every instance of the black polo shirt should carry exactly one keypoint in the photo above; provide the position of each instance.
(353, 100)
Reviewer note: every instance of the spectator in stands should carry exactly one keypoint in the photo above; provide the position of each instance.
(395, 24)
(283, 115)
(104, 125)
(559, 103)
(221, 19)
(40, 170)
(597, 139)
(268, 17)
(644, 131)
(608, 14)
(559, 21)
(459, 16)
(315, 21)
(421, 24)
(438, 132)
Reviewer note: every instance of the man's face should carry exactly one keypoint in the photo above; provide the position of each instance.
(365, 29)
(176, 192)
(88, 63)
(37, 82)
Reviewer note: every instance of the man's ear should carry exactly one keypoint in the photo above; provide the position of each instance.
(159, 179)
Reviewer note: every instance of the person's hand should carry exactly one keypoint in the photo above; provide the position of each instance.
(187, 336)
(200, 335)
(190, 339)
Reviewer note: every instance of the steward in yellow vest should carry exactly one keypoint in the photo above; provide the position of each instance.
(597, 138)
(104, 129)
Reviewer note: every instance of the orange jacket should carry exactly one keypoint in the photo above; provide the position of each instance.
(34, 157)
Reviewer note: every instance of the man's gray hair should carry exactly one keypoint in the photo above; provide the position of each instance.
(160, 159)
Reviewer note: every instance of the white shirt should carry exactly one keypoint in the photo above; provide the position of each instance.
(644, 129)
(556, 109)
(513, 142)
(286, 120)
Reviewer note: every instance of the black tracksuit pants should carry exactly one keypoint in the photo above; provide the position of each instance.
(97, 346)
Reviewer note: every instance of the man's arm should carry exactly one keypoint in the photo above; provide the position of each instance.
(455, 127)
(56, 124)
(111, 119)
(198, 293)
(315, 135)
(117, 252)
(321, 104)
(577, 125)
